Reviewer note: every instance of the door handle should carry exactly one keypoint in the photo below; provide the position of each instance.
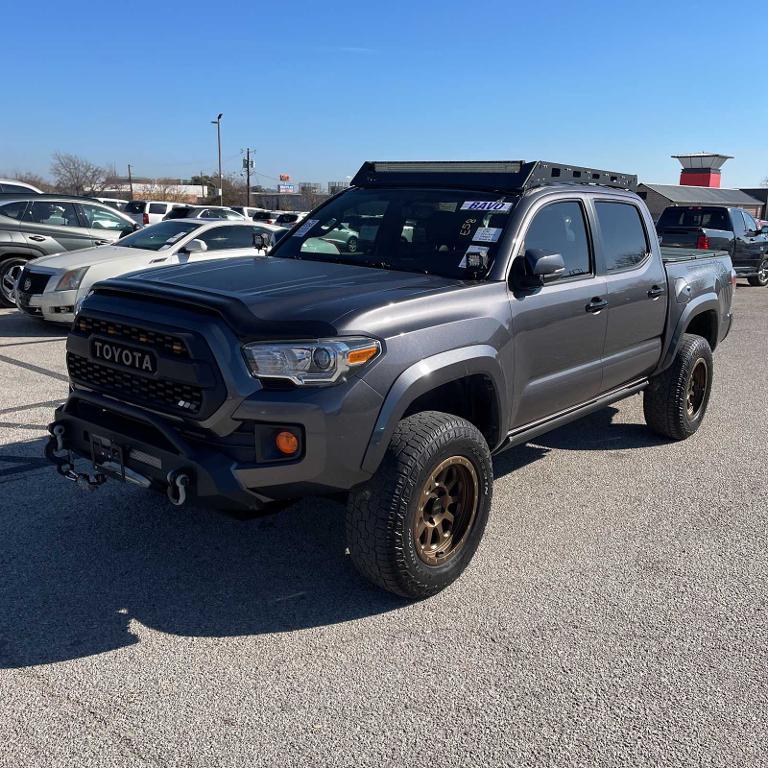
(655, 292)
(37, 238)
(101, 242)
(596, 305)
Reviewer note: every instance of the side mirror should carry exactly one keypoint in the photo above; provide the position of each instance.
(260, 242)
(543, 265)
(195, 246)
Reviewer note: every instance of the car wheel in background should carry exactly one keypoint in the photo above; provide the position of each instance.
(413, 528)
(352, 245)
(675, 401)
(761, 278)
(10, 269)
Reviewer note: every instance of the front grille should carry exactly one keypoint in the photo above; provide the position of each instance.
(32, 283)
(161, 341)
(157, 394)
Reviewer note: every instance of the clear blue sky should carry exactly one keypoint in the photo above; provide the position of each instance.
(317, 88)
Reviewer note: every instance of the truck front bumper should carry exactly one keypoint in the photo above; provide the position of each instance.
(236, 470)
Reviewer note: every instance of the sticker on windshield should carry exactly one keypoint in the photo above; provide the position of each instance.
(486, 205)
(305, 227)
(475, 256)
(466, 227)
(487, 234)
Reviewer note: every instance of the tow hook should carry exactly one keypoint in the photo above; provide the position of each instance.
(177, 487)
(61, 457)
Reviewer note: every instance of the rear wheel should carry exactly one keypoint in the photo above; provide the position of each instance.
(352, 245)
(10, 269)
(675, 401)
(414, 527)
(761, 278)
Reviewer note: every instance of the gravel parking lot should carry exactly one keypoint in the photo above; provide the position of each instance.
(614, 615)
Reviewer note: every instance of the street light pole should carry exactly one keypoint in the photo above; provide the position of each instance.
(217, 123)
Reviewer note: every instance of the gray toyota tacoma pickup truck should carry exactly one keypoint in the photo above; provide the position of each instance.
(408, 329)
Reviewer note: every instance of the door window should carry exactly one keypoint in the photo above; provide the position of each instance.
(53, 214)
(157, 207)
(561, 228)
(101, 218)
(750, 222)
(625, 244)
(13, 210)
(226, 238)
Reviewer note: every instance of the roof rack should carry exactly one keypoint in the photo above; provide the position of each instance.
(496, 175)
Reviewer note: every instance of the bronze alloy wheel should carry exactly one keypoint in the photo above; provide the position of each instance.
(447, 510)
(697, 388)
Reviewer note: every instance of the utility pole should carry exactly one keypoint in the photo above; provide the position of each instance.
(130, 181)
(217, 123)
(203, 188)
(248, 166)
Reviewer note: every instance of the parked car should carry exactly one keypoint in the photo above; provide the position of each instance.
(33, 225)
(272, 233)
(288, 218)
(147, 212)
(392, 374)
(719, 227)
(113, 202)
(250, 212)
(14, 185)
(51, 286)
(204, 212)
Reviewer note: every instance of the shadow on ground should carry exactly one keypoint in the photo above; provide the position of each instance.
(16, 325)
(77, 567)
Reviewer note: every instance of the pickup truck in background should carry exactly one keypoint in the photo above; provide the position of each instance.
(524, 295)
(719, 228)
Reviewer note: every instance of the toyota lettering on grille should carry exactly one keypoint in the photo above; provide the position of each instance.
(126, 357)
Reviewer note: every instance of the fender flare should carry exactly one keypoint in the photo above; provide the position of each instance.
(426, 375)
(704, 303)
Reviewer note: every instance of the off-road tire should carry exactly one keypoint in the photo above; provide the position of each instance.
(382, 513)
(760, 280)
(666, 399)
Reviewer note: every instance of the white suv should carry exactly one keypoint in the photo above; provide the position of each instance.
(149, 211)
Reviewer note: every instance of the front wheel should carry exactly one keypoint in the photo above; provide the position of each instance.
(10, 269)
(761, 278)
(675, 401)
(413, 528)
(352, 245)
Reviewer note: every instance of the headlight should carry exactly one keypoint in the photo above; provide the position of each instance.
(319, 363)
(71, 280)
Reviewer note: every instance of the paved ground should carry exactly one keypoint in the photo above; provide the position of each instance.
(614, 615)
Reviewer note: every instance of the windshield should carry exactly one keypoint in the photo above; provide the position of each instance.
(159, 236)
(452, 233)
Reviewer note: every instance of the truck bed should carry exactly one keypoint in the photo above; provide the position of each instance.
(670, 254)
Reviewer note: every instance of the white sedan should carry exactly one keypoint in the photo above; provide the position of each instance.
(50, 287)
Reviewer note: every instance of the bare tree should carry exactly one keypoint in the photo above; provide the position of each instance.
(35, 179)
(76, 175)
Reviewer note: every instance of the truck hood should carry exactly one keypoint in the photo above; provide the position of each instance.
(85, 257)
(276, 290)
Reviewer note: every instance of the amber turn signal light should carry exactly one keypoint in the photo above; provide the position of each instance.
(287, 443)
(360, 356)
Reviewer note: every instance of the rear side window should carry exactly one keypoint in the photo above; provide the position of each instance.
(16, 188)
(560, 228)
(157, 207)
(135, 206)
(623, 235)
(13, 210)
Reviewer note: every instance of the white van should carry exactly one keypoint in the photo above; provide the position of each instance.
(149, 211)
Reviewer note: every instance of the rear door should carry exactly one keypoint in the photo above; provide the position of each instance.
(755, 242)
(157, 212)
(55, 226)
(636, 286)
(559, 329)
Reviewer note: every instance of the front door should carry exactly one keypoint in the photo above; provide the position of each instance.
(636, 292)
(559, 329)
